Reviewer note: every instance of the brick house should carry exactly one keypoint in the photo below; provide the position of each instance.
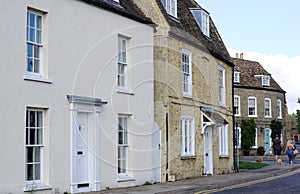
(258, 96)
(193, 90)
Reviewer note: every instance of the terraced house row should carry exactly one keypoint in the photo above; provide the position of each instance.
(99, 94)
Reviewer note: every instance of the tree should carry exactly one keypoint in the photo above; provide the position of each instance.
(248, 134)
(276, 128)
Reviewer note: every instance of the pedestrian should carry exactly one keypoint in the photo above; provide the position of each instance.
(290, 147)
(277, 146)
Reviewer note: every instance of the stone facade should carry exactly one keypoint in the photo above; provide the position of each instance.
(250, 85)
(171, 104)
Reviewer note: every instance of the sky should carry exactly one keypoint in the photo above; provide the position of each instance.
(266, 31)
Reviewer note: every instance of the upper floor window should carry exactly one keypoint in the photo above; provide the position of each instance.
(34, 41)
(252, 111)
(186, 72)
(266, 80)
(268, 107)
(237, 108)
(170, 6)
(202, 18)
(187, 136)
(222, 91)
(236, 78)
(279, 110)
(122, 61)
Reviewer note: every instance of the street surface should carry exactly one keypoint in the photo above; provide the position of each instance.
(285, 184)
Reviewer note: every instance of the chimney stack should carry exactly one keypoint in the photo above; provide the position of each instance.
(242, 55)
(236, 55)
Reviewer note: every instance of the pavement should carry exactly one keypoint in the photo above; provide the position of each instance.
(215, 183)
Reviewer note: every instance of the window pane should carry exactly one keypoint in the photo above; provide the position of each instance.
(29, 154)
(39, 22)
(37, 153)
(36, 65)
(31, 19)
(40, 136)
(32, 137)
(29, 65)
(29, 50)
(31, 35)
(37, 172)
(39, 36)
(29, 172)
(40, 119)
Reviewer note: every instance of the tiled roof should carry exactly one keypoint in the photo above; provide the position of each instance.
(248, 69)
(186, 26)
(125, 8)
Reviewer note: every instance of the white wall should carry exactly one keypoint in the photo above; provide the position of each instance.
(81, 48)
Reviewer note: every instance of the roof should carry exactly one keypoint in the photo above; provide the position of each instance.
(187, 27)
(125, 8)
(248, 69)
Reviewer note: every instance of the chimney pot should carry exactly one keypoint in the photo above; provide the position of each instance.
(236, 55)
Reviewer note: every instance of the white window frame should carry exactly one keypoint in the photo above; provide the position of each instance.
(123, 145)
(236, 77)
(122, 62)
(268, 108)
(171, 7)
(223, 140)
(38, 128)
(250, 106)
(239, 137)
(34, 44)
(279, 109)
(187, 80)
(265, 80)
(237, 103)
(187, 135)
(202, 18)
(221, 85)
(255, 139)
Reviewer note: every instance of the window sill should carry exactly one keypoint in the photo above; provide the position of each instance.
(36, 187)
(124, 91)
(223, 156)
(125, 179)
(187, 157)
(37, 79)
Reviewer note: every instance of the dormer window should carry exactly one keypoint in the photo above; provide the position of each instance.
(171, 7)
(236, 78)
(202, 18)
(266, 80)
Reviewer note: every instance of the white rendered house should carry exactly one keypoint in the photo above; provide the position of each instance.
(77, 96)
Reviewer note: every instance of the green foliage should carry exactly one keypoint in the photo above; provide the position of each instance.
(147, 183)
(276, 128)
(248, 133)
(251, 165)
(298, 120)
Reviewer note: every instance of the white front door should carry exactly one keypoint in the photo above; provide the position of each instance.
(82, 151)
(208, 151)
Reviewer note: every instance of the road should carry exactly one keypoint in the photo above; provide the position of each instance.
(287, 183)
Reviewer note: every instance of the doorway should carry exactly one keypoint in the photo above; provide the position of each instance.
(208, 151)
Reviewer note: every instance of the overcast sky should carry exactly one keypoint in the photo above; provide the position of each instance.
(266, 31)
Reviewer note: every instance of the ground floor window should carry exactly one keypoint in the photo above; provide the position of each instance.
(34, 144)
(187, 136)
(223, 140)
(122, 145)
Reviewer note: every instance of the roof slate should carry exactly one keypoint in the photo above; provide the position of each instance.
(187, 26)
(248, 69)
(126, 8)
